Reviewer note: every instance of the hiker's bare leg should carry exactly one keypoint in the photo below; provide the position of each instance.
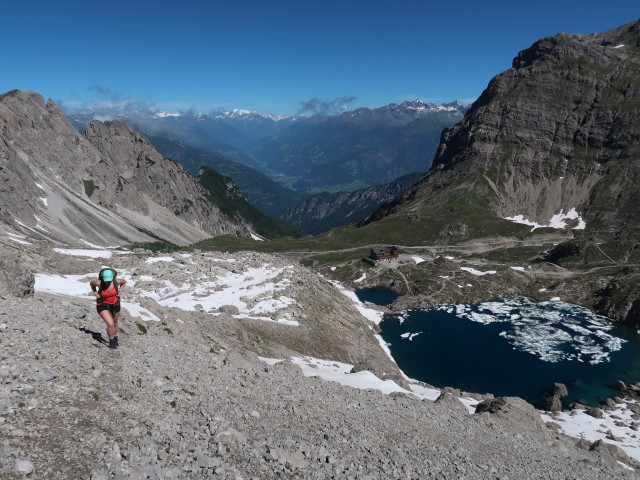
(112, 325)
(115, 321)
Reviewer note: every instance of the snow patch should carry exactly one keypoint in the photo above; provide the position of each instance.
(159, 259)
(578, 424)
(255, 291)
(559, 220)
(477, 272)
(339, 372)
(370, 314)
(18, 238)
(364, 275)
(418, 259)
(135, 310)
(519, 269)
(84, 253)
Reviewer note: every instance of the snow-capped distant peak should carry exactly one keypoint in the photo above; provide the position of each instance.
(421, 107)
(237, 111)
(167, 114)
(248, 114)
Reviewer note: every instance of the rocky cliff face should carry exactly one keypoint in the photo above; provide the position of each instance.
(552, 142)
(109, 186)
(557, 131)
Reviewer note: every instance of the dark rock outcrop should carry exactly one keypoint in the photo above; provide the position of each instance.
(554, 402)
(15, 277)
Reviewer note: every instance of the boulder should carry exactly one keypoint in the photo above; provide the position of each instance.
(554, 402)
(513, 410)
(611, 453)
(595, 412)
(621, 386)
(361, 367)
(23, 467)
(230, 309)
(451, 403)
(15, 277)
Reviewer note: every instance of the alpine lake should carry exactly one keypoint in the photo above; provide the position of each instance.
(512, 347)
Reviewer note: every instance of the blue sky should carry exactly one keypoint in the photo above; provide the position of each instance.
(273, 56)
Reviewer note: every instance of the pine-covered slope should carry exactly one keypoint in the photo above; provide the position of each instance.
(232, 202)
(553, 141)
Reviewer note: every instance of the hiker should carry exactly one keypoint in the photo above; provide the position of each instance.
(107, 290)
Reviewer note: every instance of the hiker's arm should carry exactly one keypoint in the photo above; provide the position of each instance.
(121, 282)
(95, 284)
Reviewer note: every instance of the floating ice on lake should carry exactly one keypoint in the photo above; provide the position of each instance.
(553, 331)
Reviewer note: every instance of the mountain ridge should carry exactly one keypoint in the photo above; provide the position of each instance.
(108, 186)
(355, 149)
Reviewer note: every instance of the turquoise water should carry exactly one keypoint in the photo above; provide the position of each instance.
(513, 346)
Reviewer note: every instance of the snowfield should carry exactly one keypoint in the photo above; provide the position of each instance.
(559, 220)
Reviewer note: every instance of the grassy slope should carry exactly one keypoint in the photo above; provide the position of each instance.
(223, 192)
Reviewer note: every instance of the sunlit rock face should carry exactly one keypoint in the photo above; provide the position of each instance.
(108, 186)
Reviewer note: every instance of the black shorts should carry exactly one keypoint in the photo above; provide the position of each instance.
(113, 309)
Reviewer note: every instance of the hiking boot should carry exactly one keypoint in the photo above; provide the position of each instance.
(113, 343)
(116, 339)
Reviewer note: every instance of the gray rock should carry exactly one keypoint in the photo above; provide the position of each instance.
(205, 461)
(230, 437)
(595, 412)
(512, 410)
(15, 276)
(230, 309)
(451, 403)
(23, 467)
